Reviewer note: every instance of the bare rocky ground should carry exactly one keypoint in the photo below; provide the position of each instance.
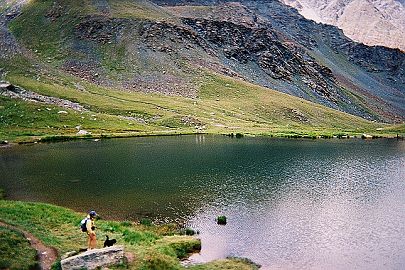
(102, 6)
(9, 46)
(30, 96)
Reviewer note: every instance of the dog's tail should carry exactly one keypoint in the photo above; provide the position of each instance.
(107, 237)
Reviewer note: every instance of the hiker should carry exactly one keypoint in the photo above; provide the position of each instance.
(88, 226)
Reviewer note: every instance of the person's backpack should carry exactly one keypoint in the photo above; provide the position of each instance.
(83, 224)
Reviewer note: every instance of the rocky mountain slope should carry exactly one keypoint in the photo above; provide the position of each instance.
(353, 77)
(146, 62)
(372, 22)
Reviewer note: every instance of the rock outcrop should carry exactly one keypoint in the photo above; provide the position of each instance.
(95, 258)
(10, 9)
(5, 86)
(375, 22)
(12, 91)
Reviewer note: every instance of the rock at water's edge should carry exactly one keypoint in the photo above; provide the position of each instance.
(95, 258)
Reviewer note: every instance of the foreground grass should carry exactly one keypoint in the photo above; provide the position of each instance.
(15, 251)
(154, 247)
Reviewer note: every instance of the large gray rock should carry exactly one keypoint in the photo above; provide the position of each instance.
(94, 258)
(376, 22)
(5, 86)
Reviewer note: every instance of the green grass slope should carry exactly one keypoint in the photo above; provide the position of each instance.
(15, 251)
(220, 104)
(224, 105)
(154, 247)
(48, 27)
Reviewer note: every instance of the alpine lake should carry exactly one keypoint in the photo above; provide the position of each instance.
(289, 203)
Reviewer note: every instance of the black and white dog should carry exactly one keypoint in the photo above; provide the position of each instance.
(109, 242)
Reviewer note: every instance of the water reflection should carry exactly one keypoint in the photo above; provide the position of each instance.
(291, 204)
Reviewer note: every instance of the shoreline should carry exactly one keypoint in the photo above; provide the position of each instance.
(287, 135)
(152, 245)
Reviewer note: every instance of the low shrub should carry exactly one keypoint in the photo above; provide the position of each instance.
(221, 220)
(126, 223)
(57, 265)
(145, 222)
(190, 232)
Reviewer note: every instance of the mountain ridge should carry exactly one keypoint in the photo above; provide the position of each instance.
(378, 62)
(374, 22)
(143, 66)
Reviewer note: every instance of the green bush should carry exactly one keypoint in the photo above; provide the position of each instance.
(126, 223)
(189, 231)
(145, 222)
(221, 220)
(56, 266)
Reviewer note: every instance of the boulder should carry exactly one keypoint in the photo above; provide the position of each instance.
(95, 258)
(5, 86)
(83, 132)
(366, 136)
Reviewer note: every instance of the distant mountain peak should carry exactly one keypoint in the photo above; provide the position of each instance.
(372, 22)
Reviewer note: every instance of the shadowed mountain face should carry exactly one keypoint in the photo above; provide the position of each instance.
(139, 46)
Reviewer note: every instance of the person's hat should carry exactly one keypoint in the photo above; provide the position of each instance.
(92, 213)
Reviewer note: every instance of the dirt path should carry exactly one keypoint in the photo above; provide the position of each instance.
(30, 96)
(46, 255)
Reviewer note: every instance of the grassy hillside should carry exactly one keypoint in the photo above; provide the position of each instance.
(224, 105)
(154, 247)
(15, 251)
(190, 98)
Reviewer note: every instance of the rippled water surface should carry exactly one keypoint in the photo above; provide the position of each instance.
(291, 204)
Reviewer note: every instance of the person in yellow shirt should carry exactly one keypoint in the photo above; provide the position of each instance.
(91, 234)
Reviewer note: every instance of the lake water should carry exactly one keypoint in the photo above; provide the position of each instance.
(291, 204)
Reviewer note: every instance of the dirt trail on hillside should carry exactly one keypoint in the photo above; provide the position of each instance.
(46, 255)
(20, 93)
